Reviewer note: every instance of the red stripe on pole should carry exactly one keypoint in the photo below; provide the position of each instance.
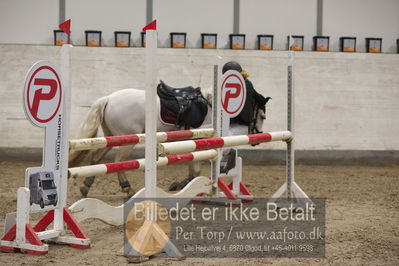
(10, 235)
(179, 135)
(122, 166)
(33, 239)
(122, 140)
(76, 229)
(244, 189)
(258, 138)
(180, 158)
(226, 190)
(206, 144)
(44, 221)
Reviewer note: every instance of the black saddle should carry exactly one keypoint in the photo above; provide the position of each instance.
(168, 91)
(183, 107)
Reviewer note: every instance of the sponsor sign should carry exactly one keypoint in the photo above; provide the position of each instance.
(44, 107)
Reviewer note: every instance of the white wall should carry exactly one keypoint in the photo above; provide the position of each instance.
(194, 17)
(362, 19)
(106, 16)
(279, 18)
(23, 21)
(344, 101)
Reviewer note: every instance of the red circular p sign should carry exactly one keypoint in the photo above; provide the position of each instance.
(233, 93)
(42, 93)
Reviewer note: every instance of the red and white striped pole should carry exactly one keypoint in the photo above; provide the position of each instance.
(114, 141)
(108, 168)
(230, 141)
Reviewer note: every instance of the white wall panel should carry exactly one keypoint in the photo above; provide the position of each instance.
(361, 19)
(23, 21)
(194, 17)
(280, 18)
(344, 101)
(106, 16)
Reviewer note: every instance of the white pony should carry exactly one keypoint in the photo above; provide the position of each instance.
(123, 113)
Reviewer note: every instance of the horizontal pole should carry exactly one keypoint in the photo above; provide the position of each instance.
(103, 169)
(48, 234)
(25, 246)
(230, 141)
(114, 141)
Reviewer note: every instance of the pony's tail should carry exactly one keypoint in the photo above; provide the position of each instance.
(89, 128)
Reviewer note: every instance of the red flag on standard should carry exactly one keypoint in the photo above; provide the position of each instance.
(66, 26)
(151, 26)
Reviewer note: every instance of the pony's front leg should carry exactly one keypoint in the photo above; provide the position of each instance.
(194, 170)
(122, 155)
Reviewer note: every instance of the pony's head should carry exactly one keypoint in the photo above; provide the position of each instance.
(259, 114)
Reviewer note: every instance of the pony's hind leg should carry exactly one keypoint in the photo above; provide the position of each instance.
(122, 155)
(96, 156)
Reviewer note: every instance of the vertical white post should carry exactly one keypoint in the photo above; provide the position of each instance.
(216, 106)
(290, 125)
(23, 199)
(216, 124)
(290, 186)
(224, 118)
(150, 115)
(63, 191)
(238, 176)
